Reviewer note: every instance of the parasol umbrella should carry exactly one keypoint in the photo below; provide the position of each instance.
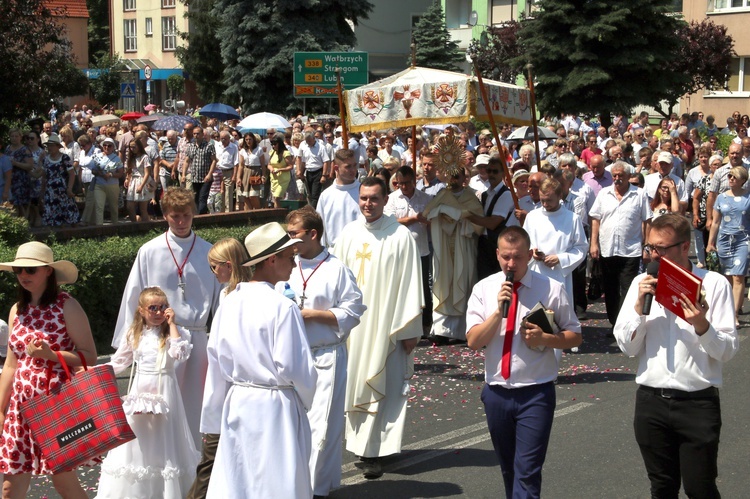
(260, 122)
(527, 133)
(152, 118)
(439, 127)
(327, 117)
(149, 107)
(175, 122)
(131, 116)
(105, 119)
(219, 111)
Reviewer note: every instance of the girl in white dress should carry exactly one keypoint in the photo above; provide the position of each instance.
(161, 461)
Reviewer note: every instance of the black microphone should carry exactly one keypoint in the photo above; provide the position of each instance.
(506, 303)
(653, 270)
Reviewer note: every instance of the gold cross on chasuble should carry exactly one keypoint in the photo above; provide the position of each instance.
(362, 255)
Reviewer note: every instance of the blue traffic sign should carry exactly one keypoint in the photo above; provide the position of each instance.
(127, 90)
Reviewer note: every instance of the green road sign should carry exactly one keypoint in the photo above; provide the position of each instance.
(315, 72)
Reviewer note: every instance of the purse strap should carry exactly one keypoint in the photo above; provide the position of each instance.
(65, 367)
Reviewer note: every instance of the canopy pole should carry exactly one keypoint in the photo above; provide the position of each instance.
(529, 67)
(488, 107)
(342, 111)
(414, 148)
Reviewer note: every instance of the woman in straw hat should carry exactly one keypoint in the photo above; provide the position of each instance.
(44, 320)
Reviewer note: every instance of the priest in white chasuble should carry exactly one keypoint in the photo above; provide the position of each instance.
(177, 262)
(454, 261)
(384, 258)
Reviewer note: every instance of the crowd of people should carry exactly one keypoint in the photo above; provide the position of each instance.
(312, 324)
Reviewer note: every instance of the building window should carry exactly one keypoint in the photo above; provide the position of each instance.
(739, 77)
(131, 37)
(167, 4)
(128, 4)
(149, 27)
(168, 33)
(731, 4)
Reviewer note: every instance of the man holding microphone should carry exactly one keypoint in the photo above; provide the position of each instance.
(519, 397)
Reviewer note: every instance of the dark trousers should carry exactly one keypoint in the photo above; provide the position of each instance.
(520, 423)
(312, 182)
(487, 263)
(617, 274)
(205, 466)
(426, 288)
(201, 190)
(679, 438)
(579, 286)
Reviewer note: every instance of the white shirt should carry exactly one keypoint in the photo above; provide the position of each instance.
(383, 154)
(226, 157)
(583, 190)
(652, 183)
(338, 205)
(401, 206)
(504, 206)
(313, 157)
(479, 185)
(620, 227)
(670, 353)
(527, 366)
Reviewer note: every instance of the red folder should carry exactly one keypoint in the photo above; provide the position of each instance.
(672, 281)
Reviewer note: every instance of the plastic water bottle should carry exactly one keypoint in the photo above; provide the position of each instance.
(289, 293)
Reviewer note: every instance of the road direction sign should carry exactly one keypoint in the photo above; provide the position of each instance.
(315, 72)
(127, 90)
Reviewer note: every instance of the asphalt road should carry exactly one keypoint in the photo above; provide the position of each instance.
(592, 453)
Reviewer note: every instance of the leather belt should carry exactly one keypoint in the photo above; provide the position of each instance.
(671, 393)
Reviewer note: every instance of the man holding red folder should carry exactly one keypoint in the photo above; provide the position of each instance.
(677, 411)
(520, 363)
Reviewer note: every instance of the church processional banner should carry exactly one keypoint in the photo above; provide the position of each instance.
(420, 96)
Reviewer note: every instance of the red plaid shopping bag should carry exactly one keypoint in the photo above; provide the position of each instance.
(80, 420)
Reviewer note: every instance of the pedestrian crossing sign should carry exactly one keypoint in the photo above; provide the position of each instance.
(127, 90)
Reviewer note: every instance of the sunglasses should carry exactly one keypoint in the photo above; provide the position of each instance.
(493, 170)
(29, 270)
(215, 267)
(157, 308)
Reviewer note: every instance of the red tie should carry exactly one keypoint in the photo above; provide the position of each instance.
(510, 329)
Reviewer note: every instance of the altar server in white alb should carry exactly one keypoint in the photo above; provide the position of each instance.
(384, 258)
(338, 205)
(177, 262)
(331, 306)
(260, 369)
(558, 241)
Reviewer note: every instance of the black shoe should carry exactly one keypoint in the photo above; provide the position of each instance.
(372, 468)
(439, 340)
(581, 314)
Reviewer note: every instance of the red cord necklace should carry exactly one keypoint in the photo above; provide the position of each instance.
(305, 281)
(180, 268)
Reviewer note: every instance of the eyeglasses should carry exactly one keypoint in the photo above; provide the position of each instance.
(660, 250)
(293, 233)
(157, 308)
(493, 170)
(215, 267)
(29, 270)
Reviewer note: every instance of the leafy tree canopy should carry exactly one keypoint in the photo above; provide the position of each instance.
(492, 58)
(98, 28)
(106, 88)
(258, 51)
(434, 46)
(199, 56)
(37, 62)
(594, 56)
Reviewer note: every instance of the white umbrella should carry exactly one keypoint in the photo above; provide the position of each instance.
(262, 122)
(527, 133)
(104, 119)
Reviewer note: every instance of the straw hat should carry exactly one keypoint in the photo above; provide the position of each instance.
(53, 138)
(266, 241)
(36, 254)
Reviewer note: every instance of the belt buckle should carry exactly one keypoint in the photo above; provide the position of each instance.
(665, 393)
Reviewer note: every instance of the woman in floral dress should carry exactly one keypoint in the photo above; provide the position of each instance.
(45, 320)
(59, 201)
(20, 187)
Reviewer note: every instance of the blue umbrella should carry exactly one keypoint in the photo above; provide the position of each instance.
(219, 111)
(176, 122)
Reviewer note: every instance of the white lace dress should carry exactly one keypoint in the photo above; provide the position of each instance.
(161, 461)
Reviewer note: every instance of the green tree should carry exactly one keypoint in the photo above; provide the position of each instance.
(37, 61)
(595, 56)
(98, 28)
(704, 58)
(106, 88)
(258, 51)
(501, 46)
(176, 85)
(198, 55)
(434, 46)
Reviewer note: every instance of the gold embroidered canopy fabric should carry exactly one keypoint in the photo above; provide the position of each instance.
(419, 96)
